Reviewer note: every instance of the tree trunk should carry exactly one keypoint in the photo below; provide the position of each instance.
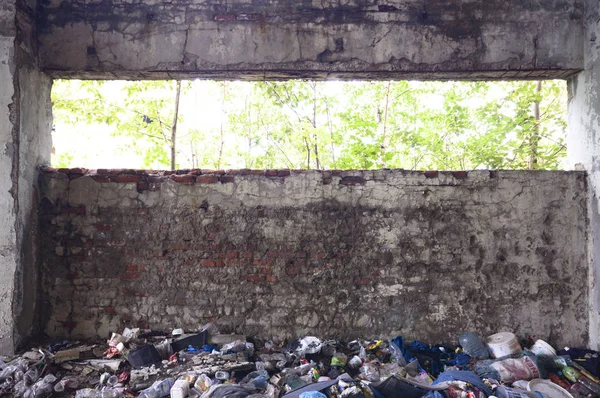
(174, 126)
(222, 120)
(307, 153)
(385, 122)
(535, 133)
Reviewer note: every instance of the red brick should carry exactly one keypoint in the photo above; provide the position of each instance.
(227, 179)
(300, 254)
(211, 263)
(283, 173)
(102, 171)
(103, 227)
(78, 170)
(132, 268)
(263, 262)
(292, 271)
(182, 172)
(318, 255)
(271, 173)
(207, 179)
(256, 172)
(128, 178)
(64, 170)
(143, 186)
(131, 275)
(110, 310)
(248, 254)
(265, 271)
(461, 175)
(49, 170)
(272, 279)
(253, 278)
(431, 174)
(179, 246)
(215, 172)
(493, 173)
(73, 210)
(186, 178)
(224, 17)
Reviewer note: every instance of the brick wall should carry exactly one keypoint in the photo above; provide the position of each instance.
(282, 253)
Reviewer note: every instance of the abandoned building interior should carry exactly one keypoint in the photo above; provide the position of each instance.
(286, 253)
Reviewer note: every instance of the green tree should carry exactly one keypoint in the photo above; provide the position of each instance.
(322, 125)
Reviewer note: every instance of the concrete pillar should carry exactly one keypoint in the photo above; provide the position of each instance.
(583, 148)
(25, 126)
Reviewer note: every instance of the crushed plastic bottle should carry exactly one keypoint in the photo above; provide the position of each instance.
(160, 388)
(66, 383)
(396, 353)
(473, 346)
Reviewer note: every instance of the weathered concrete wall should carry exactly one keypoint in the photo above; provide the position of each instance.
(9, 254)
(344, 254)
(311, 38)
(583, 144)
(24, 145)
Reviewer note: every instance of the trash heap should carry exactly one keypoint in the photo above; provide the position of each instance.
(147, 364)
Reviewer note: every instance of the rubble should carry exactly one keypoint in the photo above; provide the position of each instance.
(206, 364)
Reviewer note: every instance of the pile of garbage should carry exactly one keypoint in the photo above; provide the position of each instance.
(206, 364)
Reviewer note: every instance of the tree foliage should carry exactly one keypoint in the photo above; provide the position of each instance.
(324, 125)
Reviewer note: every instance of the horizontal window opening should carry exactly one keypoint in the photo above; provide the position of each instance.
(301, 124)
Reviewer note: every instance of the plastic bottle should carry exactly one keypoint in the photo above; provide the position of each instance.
(180, 389)
(473, 346)
(66, 382)
(397, 355)
(203, 383)
(91, 393)
(160, 388)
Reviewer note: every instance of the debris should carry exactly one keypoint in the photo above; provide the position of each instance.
(155, 365)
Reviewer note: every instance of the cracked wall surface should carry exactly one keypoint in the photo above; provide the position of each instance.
(273, 39)
(281, 253)
(24, 145)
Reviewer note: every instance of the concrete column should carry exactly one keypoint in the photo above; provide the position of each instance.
(25, 126)
(583, 149)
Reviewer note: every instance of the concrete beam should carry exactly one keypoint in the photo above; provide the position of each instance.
(279, 39)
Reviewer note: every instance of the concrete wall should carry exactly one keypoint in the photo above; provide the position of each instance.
(312, 38)
(584, 150)
(342, 254)
(24, 145)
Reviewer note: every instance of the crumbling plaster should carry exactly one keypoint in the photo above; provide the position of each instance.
(318, 39)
